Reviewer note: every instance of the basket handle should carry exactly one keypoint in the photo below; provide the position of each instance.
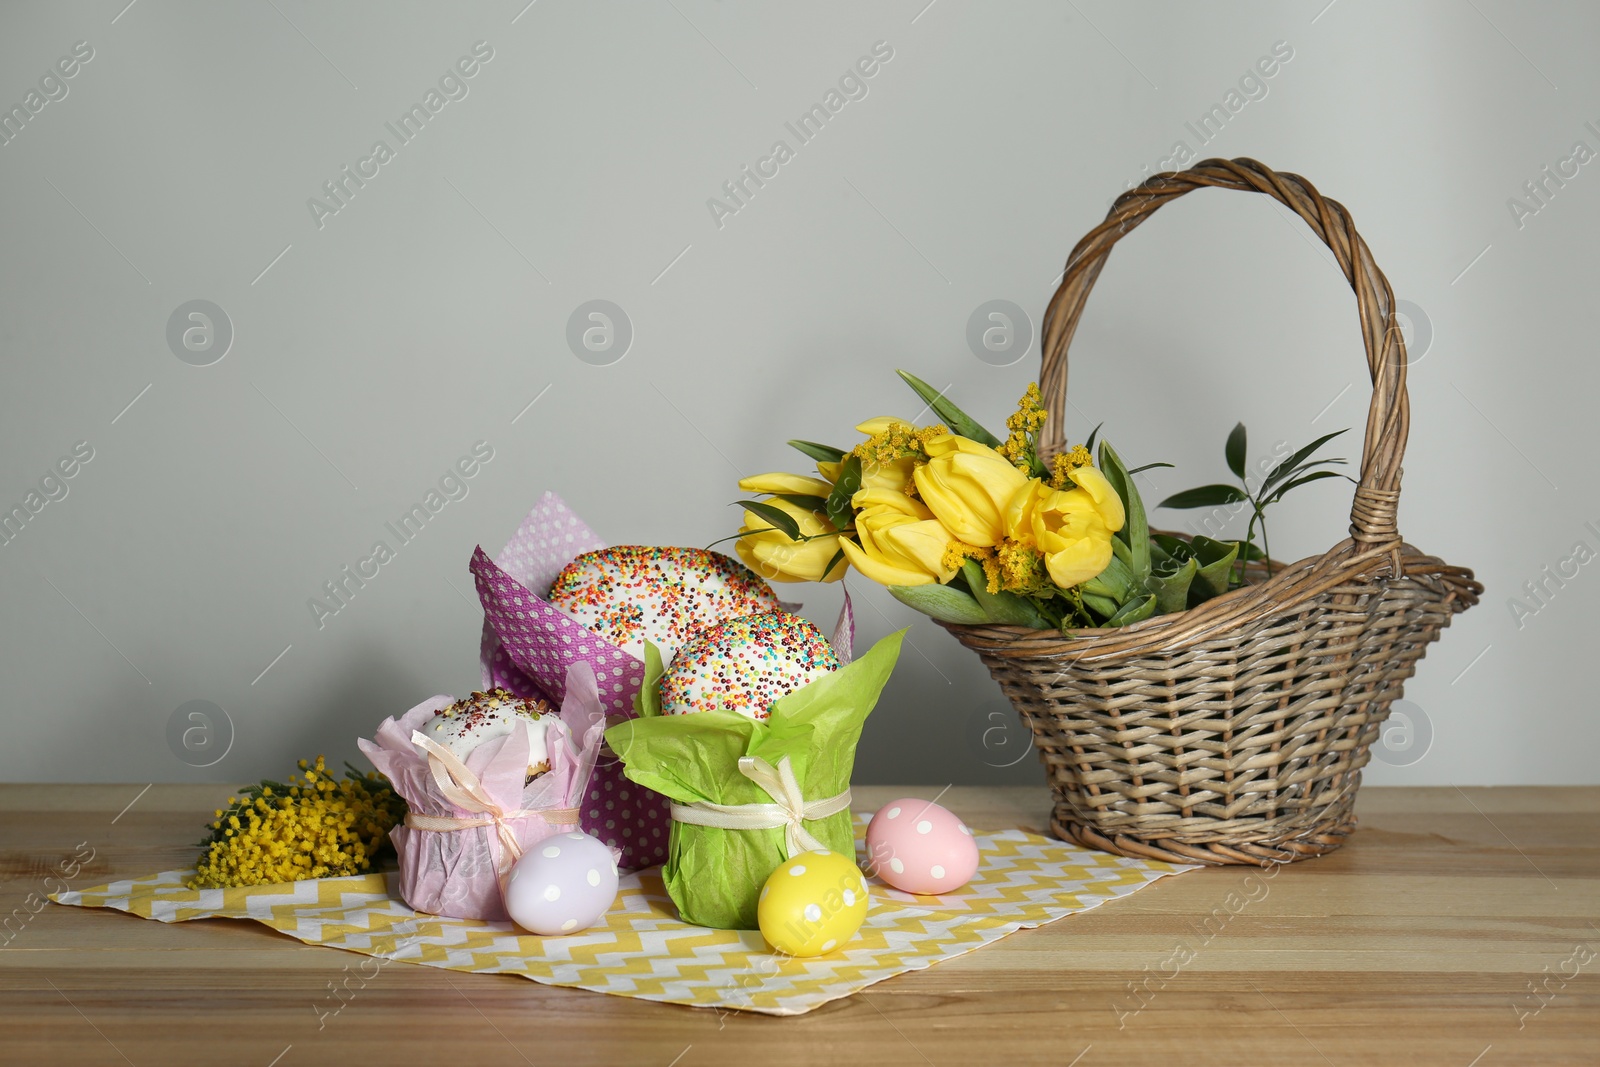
(1372, 512)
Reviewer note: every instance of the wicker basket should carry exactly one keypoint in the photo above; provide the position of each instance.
(1235, 732)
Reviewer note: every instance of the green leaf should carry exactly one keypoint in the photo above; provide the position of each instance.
(838, 503)
(1121, 551)
(1216, 559)
(832, 563)
(1148, 466)
(779, 518)
(1176, 547)
(1302, 480)
(647, 701)
(959, 421)
(1304, 467)
(1206, 496)
(1234, 450)
(1002, 607)
(1089, 444)
(1207, 551)
(1135, 531)
(805, 500)
(1172, 591)
(1134, 611)
(821, 453)
(1100, 605)
(941, 602)
(1115, 582)
(1288, 466)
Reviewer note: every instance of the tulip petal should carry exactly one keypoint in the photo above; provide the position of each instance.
(779, 482)
(1078, 561)
(923, 543)
(881, 572)
(1104, 495)
(873, 427)
(891, 500)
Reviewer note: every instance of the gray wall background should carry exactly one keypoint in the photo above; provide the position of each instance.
(369, 352)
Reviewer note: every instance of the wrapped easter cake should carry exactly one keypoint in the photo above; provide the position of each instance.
(484, 778)
(751, 730)
(556, 595)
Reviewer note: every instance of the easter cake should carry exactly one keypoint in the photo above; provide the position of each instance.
(745, 665)
(629, 594)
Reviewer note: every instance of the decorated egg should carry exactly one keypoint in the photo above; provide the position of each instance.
(562, 884)
(812, 903)
(919, 847)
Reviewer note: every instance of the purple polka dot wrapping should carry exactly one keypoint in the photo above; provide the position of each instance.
(527, 646)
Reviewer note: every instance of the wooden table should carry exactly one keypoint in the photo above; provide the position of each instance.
(1457, 927)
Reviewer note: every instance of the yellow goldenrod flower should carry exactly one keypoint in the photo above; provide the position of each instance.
(1064, 463)
(1024, 428)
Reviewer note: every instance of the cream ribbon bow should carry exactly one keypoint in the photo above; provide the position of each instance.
(462, 788)
(788, 811)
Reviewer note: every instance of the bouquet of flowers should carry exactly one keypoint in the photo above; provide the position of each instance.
(971, 529)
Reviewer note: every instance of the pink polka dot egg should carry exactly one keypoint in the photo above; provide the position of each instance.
(918, 847)
(561, 885)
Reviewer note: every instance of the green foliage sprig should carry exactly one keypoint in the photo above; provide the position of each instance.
(1297, 470)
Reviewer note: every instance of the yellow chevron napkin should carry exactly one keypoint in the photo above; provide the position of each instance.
(641, 949)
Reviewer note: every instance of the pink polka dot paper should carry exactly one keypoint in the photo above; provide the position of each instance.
(528, 644)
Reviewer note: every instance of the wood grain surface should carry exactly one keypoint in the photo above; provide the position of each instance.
(1458, 926)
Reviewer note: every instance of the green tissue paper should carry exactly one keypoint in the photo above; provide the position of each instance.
(714, 875)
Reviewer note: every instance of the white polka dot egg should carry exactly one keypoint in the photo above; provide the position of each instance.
(812, 904)
(919, 847)
(561, 885)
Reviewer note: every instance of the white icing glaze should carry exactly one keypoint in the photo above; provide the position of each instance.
(466, 724)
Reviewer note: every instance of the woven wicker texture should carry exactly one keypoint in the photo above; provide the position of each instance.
(1235, 732)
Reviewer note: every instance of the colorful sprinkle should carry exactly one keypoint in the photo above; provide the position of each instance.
(631, 593)
(745, 665)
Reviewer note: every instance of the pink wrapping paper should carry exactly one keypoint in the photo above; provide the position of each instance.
(457, 872)
(527, 647)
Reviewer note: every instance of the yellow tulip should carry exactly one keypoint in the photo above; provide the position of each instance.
(1071, 527)
(770, 553)
(968, 486)
(901, 543)
(884, 423)
(1105, 497)
(877, 470)
(895, 475)
(779, 482)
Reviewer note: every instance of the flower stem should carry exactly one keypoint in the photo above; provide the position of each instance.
(1266, 545)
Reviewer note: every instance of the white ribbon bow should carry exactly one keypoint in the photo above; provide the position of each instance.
(462, 788)
(789, 810)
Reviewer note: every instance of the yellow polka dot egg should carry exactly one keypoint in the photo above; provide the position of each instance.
(812, 904)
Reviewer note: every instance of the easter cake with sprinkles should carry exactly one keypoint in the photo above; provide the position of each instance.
(745, 665)
(628, 594)
(469, 722)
